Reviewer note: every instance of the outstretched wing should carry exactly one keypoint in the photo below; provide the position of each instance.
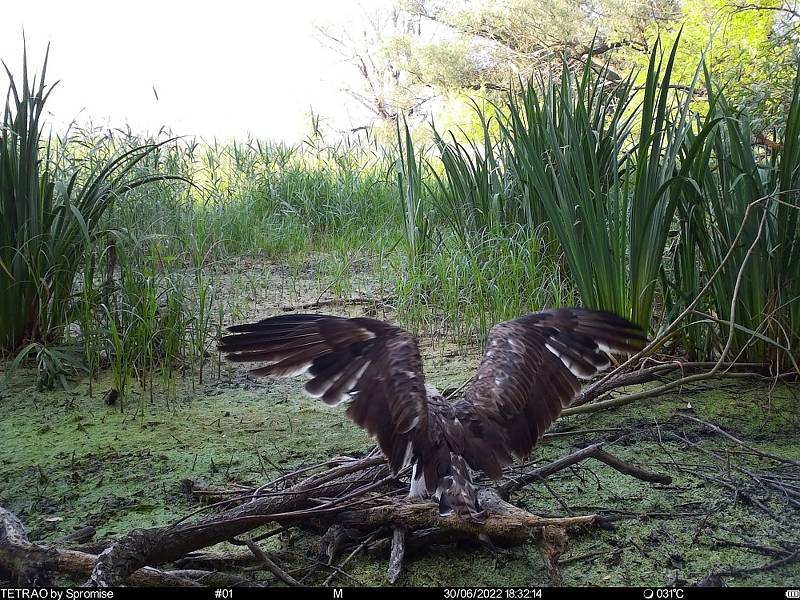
(529, 373)
(373, 366)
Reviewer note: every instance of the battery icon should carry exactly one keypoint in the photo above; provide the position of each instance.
(793, 593)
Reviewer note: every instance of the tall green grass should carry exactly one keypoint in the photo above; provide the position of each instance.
(48, 217)
(472, 257)
(603, 163)
(257, 198)
(746, 199)
(464, 289)
(645, 190)
(412, 191)
(582, 189)
(474, 193)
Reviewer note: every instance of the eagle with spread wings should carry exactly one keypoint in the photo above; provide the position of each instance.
(529, 372)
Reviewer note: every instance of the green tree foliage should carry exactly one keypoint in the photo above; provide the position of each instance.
(460, 47)
(750, 49)
(521, 38)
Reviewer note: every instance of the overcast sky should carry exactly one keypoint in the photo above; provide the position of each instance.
(221, 69)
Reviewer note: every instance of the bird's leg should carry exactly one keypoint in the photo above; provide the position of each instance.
(418, 490)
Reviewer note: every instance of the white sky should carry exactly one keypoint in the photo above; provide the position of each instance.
(221, 69)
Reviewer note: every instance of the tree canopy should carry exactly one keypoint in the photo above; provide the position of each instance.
(427, 49)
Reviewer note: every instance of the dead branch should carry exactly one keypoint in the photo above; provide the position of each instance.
(420, 539)
(629, 469)
(660, 390)
(654, 373)
(215, 578)
(271, 566)
(760, 548)
(594, 451)
(739, 442)
(548, 469)
(762, 482)
(397, 553)
(505, 523)
(382, 302)
(29, 562)
(77, 537)
(552, 546)
(358, 549)
(163, 544)
(32, 564)
(733, 571)
(216, 561)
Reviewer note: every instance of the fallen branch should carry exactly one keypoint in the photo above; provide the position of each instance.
(505, 523)
(629, 469)
(271, 566)
(734, 571)
(760, 548)
(656, 391)
(32, 564)
(647, 374)
(358, 549)
(215, 578)
(339, 302)
(739, 442)
(420, 539)
(77, 537)
(397, 553)
(594, 451)
(164, 544)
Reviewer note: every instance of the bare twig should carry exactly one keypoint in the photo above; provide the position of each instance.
(731, 571)
(358, 549)
(396, 555)
(385, 302)
(594, 451)
(271, 566)
(736, 440)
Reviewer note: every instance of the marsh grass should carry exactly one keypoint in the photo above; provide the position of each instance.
(144, 303)
(643, 194)
(49, 216)
(759, 291)
(579, 190)
(464, 289)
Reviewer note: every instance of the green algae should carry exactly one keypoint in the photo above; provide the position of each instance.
(75, 459)
(68, 460)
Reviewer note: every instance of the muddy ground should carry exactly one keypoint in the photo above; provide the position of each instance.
(68, 460)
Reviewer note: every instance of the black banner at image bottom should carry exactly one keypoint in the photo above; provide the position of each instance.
(413, 593)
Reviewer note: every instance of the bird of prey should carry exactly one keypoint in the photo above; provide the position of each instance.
(529, 372)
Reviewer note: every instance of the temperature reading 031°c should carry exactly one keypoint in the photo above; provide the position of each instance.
(663, 594)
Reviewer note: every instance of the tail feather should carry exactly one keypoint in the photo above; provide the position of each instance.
(457, 495)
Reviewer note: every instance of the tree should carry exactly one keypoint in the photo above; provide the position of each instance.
(416, 51)
(522, 38)
(386, 88)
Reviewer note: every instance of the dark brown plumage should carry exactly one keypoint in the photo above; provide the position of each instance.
(528, 374)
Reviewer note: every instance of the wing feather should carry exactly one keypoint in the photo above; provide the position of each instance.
(374, 365)
(529, 373)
